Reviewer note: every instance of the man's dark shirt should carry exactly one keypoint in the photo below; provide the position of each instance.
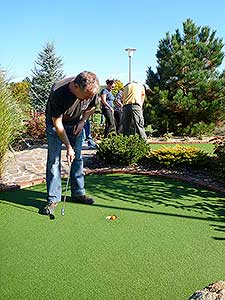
(63, 102)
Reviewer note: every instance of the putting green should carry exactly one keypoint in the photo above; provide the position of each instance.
(168, 241)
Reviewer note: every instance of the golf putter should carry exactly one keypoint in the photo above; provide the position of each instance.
(64, 198)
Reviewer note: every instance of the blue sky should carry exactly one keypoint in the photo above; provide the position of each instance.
(92, 35)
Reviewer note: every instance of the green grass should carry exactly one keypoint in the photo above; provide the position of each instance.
(167, 242)
(207, 147)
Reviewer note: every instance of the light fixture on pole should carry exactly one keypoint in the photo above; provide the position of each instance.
(130, 52)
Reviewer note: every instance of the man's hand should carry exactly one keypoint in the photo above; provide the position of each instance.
(78, 128)
(70, 155)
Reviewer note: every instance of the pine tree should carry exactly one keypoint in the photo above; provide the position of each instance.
(47, 70)
(187, 88)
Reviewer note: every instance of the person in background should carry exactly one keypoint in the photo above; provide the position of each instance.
(133, 99)
(71, 102)
(87, 135)
(107, 99)
(118, 112)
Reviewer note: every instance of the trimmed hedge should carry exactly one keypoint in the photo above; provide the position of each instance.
(177, 156)
(120, 150)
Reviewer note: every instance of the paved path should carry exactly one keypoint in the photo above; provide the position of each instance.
(26, 168)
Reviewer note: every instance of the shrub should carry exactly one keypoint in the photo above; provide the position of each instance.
(177, 156)
(120, 150)
(97, 127)
(199, 129)
(149, 130)
(11, 119)
(36, 125)
(219, 151)
(97, 131)
(220, 130)
(20, 91)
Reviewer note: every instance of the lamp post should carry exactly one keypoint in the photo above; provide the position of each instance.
(130, 52)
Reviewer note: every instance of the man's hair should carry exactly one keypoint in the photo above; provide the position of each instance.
(87, 81)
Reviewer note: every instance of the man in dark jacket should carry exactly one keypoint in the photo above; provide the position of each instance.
(71, 102)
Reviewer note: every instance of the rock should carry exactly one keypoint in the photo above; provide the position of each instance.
(215, 291)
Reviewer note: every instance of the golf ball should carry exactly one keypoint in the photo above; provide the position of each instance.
(113, 217)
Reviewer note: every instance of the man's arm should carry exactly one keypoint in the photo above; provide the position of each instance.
(86, 115)
(142, 95)
(60, 130)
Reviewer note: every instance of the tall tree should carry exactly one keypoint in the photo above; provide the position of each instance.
(48, 69)
(187, 89)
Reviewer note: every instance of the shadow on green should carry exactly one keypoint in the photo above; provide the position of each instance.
(147, 191)
(166, 243)
(143, 194)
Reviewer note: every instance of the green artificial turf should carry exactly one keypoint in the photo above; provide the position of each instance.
(168, 241)
(207, 147)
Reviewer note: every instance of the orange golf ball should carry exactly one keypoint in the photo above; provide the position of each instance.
(113, 217)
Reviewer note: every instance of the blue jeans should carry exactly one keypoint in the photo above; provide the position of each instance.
(87, 133)
(53, 168)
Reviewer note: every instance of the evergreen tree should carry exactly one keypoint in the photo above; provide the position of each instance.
(186, 90)
(47, 70)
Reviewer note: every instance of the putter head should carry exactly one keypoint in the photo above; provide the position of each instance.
(52, 217)
(63, 211)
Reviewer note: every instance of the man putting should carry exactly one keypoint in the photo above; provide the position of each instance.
(71, 102)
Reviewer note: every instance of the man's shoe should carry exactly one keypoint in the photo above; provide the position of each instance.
(83, 199)
(49, 208)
